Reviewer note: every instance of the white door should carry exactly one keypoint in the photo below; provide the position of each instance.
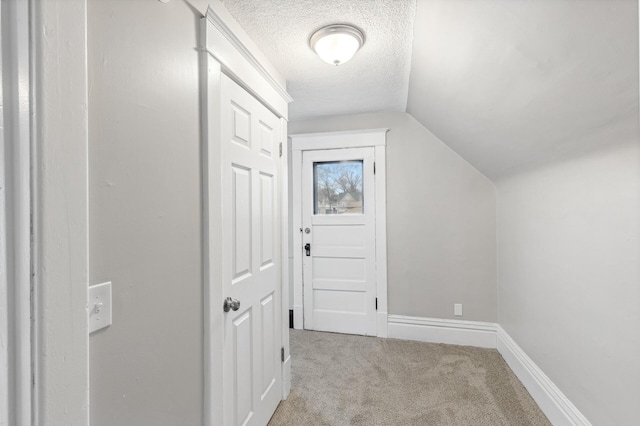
(251, 262)
(338, 220)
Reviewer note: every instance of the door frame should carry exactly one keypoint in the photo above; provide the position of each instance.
(226, 48)
(376, 138)
(49, 55)
(15, 216)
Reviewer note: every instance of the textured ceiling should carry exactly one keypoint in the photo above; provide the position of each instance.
(505, 83)
(509, 83)
(376, 79)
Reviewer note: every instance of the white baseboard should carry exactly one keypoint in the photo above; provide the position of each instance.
(453, 332)
(553, 403)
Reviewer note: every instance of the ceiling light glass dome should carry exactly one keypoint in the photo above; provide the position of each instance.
(336, 44)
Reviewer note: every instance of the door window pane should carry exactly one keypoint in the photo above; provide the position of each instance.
(337, 187)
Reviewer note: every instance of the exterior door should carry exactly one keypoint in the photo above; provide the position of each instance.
(338, 220)
(251, 259)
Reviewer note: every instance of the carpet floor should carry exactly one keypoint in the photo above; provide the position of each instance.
(340, 379)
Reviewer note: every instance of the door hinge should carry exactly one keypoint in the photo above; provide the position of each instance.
(376, 303)
(282, 354)
(280, 149)
(374, 167)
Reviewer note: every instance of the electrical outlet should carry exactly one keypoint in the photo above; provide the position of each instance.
(457, 309)
(99, 305)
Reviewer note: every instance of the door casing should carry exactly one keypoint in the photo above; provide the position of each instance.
(16, 333)
(375, 138)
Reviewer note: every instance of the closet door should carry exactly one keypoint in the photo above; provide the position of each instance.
(251, 258)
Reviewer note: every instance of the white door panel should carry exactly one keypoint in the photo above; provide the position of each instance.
(339, 210)
(339, 237)
(251, 353)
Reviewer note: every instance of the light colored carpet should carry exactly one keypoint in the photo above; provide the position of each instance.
(354, 380)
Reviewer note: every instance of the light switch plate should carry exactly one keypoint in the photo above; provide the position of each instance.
(457, 309)
(99, 306)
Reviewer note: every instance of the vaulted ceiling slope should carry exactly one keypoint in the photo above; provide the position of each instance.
(509, 83)
(376, 79)
(505, 83)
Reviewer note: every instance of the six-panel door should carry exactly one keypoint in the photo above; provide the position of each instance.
(252, 334)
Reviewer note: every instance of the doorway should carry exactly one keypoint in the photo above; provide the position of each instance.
(339, 218)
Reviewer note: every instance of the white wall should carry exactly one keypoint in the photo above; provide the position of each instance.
(441, 229)
(145, 211)
(569, 276)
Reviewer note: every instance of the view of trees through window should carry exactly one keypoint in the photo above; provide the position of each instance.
(338, 187)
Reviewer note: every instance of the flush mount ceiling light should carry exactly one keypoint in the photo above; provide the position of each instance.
(336, 44)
